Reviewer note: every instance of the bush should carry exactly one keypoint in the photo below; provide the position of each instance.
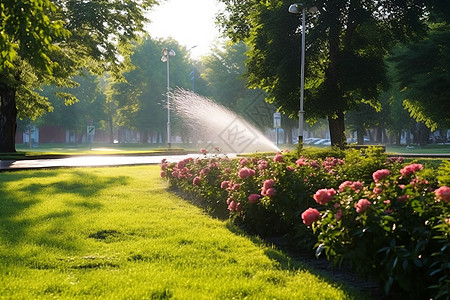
(389, 220)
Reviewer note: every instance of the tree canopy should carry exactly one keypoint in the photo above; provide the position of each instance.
(346, 43)
(50, 41)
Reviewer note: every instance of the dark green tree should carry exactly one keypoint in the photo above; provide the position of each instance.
(140, 100)
(50, 41)
(346, 43)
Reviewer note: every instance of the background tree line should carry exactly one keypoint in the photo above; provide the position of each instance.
(366, 63)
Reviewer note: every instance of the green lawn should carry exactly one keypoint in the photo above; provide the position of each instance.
(116, 233)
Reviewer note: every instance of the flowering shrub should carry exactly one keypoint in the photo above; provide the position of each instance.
(389, 220)
(396, 229)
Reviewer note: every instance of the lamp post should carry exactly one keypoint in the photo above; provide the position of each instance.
(165, 58)
(296, 9)
(193, 70)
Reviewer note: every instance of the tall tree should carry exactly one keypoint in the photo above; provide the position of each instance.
(346, 42)
(141, 99)
(49, 41)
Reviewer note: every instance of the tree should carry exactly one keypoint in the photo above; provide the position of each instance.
(90, 104)
(49, 41)
(423, 73)
(346, 43)
(141, 99)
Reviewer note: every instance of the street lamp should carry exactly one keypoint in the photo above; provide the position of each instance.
(165, 58)
(193, 70)
(296, 9)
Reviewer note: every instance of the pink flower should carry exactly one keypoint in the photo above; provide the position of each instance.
(268, 183)
(411, 169)
(224, 184)
(163, 160)
(344, 185)
(323, 196)
(338, 214)
(163, 174)
(278, 158)
(301, 162)
(357, 186)
(246, 172)
(236, 186)
(238, 206)
(232, 205)
(196, 180)
(362, 205)
(203, 151)
(380, 174)
(290, 169)
(271, 192)
(443, 193)
(205, 171)
(253, 198)
(243, 161)
(262, 164)
(226, 170)
(310, 216)
(377, 190)
(314, 164)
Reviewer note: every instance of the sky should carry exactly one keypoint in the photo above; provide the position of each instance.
(190, 22)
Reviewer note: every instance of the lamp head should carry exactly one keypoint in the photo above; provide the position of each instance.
(296, 8)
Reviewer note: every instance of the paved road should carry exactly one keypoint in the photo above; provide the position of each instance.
(88, 161)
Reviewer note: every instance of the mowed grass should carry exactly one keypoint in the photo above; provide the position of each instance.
(116, 233)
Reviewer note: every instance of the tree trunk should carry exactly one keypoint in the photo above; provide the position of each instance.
(360, 136)
(337, 130)
(8, 116)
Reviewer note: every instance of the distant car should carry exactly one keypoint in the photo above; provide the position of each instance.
(322, 142)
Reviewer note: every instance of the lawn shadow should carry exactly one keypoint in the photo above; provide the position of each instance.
(19, 194)
(288, 258)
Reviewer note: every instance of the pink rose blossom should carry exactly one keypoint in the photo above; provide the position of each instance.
(238, 207)
(301, 162)
(232, 205)
(338, 214)
(411, 169)
(253, 198)
(357, 186)
(278, 158)
(380, 174)
(377, 190)
(290, 169)
(224, 184)
(314, 164)
(268, 183)
(204, 151)
(196, 180)
(323, 196)
(246, 172)
(443, 193)
(345, 184)
(310, 216)
(236, 186)
(362, 205)
(163, 174)
(271, 192)
(262, 164)
(243, 161)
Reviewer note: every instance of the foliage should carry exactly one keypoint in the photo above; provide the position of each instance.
(388, 219)
(44, 42)
(346, 43)
(422, 72)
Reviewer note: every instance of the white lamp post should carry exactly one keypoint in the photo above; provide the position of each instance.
(296, 9)
(165, 58)
(193, 70)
